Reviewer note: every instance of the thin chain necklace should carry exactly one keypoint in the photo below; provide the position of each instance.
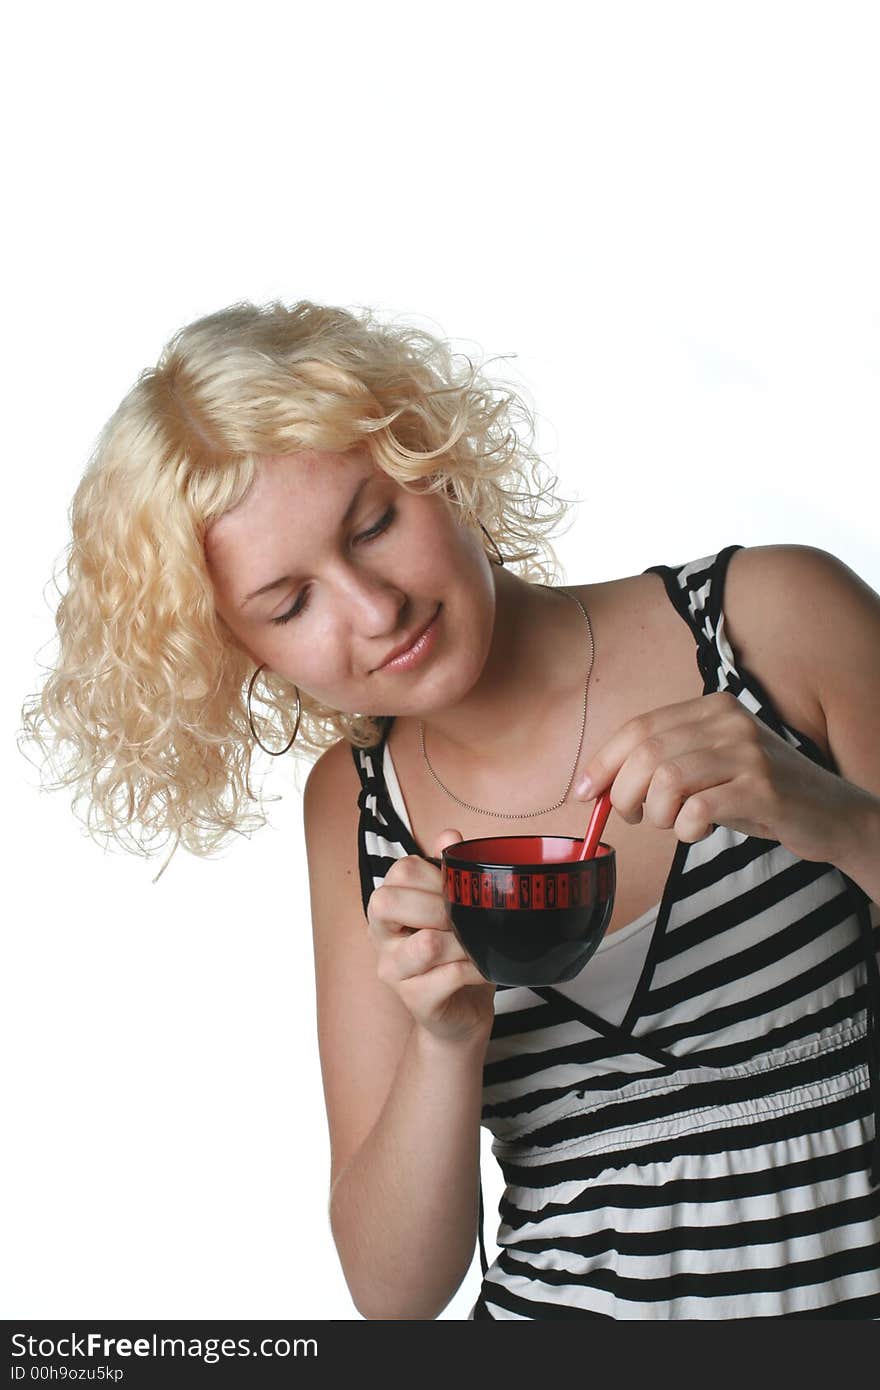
(525, 815)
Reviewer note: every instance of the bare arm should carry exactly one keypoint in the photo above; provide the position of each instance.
(403, 1023)
(828, 620)
(404, 1210)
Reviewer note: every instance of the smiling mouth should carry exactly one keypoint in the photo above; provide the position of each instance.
(413, 643)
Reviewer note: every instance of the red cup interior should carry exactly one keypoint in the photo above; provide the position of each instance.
(522, 851)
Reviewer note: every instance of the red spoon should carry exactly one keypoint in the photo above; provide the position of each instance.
(601, 812)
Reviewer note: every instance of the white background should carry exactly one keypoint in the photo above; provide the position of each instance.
(667, 214)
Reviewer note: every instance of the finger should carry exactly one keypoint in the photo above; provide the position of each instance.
(442, 841)
(424, 951)
(696, 819)
(394, 911)
(602, 768)
(416, 873)
(631, 786)
(432, 990)
(446, 838)
(690, 774)
(738, 803)
(679, 761)
(412, 871)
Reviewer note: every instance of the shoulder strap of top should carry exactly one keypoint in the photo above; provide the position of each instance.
(696, 590)
(368, 762)
(375, 798)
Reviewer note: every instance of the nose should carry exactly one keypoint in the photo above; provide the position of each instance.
(376, 606)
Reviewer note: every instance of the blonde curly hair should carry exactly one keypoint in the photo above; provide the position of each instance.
(146, 705)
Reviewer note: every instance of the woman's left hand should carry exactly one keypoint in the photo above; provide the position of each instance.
(709, 761)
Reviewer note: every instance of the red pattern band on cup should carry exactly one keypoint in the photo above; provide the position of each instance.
(545, 890)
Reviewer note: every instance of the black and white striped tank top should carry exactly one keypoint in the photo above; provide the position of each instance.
(709, 1156)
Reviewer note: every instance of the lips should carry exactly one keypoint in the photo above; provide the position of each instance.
(408, 642)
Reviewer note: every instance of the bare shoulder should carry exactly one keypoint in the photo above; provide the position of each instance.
(330, 823)
(801, 574)
(332, 774)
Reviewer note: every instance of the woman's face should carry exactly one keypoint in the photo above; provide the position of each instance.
(362, 566)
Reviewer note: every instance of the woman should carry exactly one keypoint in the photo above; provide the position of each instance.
(309, 507)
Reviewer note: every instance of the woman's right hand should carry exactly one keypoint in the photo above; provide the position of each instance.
(420, 957)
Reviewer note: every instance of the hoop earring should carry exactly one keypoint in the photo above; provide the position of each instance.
(494, 544)
(273, 752)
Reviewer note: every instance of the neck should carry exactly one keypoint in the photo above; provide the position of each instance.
(535, 671)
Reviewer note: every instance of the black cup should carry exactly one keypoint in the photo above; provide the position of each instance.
(525, 910)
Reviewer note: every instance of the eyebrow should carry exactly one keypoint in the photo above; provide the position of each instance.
(285, 578)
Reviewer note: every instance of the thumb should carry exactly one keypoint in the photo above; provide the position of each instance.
(446, 837)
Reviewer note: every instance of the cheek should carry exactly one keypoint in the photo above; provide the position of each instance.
(314, 659)
(446, 549)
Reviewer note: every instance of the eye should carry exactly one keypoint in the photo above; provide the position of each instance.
(302, 601)
(381, 525)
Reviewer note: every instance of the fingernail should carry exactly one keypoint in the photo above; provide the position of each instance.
(584, 787)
